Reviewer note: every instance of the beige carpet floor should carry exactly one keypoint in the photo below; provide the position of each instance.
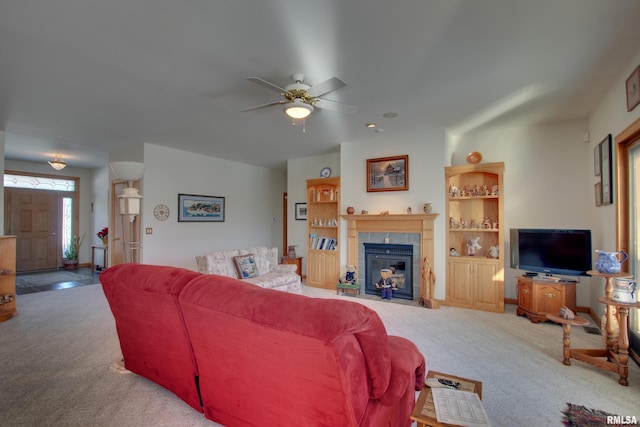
(56, 357)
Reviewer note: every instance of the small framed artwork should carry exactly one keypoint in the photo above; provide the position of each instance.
(194, 208)
(596, 160)
(606, 173)
(301, 211)
(388, 174)
(633, 89)
(598, 193)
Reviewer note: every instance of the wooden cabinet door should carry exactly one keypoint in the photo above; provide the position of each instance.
(525, 295)
(460, 282)
(487, 295)
(314, 268)
(550, 298)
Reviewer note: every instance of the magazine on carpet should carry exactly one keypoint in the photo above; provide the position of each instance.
(462, 408)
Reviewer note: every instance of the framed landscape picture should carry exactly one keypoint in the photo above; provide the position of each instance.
(388, 174)
(194, 208)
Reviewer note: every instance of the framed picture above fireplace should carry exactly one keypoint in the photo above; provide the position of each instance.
(388, 174)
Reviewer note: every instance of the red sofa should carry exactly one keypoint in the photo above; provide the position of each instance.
(268, 358)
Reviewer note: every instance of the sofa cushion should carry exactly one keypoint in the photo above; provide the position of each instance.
(245, 266)
(266, 258)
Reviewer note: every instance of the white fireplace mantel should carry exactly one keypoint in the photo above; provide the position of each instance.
(395, 223)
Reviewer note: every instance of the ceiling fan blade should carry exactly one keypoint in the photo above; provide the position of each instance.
(326, 87)
(260, 106)
(268, 85)
(325, 104)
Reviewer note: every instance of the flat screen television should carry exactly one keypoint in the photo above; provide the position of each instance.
(549, 251)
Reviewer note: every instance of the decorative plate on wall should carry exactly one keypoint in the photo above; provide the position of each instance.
(325, 172)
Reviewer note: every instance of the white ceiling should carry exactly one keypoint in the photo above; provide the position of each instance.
(83, 77)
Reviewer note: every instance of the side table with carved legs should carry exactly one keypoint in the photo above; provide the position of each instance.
(615, 357)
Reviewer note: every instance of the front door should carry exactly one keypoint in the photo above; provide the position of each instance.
(34, 220)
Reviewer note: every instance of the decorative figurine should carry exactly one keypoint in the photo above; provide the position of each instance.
(453, 252)
(473, 246)
(350, 276)
(385, 283)
(486, 223)
(494, 251)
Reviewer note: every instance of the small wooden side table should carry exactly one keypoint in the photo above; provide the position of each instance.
(297, 261)
(566, 333)
(424, 412)
(105, 250)
(615, 357)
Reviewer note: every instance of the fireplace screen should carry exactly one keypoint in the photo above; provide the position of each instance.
(397, 258)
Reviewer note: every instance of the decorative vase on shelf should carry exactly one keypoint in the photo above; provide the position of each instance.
(105, 242)
(608, 262)
(350, 210)
(426, 208)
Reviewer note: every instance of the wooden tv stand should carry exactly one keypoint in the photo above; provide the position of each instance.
(538, 297)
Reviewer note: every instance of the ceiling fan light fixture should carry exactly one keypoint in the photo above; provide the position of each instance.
(57, 163)
(297, 109)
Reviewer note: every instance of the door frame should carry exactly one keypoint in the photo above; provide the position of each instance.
(75, 196)
(623, 142)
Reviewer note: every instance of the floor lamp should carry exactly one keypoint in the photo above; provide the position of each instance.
(130, 201)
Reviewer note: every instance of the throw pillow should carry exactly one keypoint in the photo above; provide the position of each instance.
(246, 266)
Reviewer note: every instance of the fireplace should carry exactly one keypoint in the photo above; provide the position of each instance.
(397, 258)
(378, 227)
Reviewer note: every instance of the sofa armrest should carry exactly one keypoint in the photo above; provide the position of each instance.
(286, 268)
(408, 369)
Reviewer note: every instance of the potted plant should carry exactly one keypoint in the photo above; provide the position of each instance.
(70, 254)
(104, 236)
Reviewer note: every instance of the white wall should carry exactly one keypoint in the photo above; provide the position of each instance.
(426, 152)
(610, 117)
(2, 162)
(253, 197)
(547, 180)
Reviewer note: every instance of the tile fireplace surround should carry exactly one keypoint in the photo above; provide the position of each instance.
(408, 224)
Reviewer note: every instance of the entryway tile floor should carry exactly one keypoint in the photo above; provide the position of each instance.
(28, 283)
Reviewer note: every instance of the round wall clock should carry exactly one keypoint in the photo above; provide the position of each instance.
(325, 172)
(161, 212)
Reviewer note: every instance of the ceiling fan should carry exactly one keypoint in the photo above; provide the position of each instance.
(301, 99)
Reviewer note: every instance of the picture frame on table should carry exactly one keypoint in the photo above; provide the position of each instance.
(197, 208)
(301, 211)
(632, 89)
(388, 174)
(606, 169)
